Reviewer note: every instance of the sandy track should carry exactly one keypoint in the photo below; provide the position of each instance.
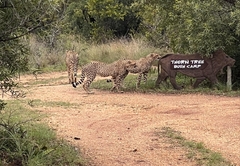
(120, 129)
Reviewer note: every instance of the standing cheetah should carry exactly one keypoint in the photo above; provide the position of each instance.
(143, 66)
(72, 60)
(118, 70)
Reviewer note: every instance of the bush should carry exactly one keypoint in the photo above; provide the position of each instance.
(25, 142)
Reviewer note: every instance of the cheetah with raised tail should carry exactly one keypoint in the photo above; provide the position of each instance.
(118, 70)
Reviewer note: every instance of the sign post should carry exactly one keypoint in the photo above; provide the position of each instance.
(229, 78)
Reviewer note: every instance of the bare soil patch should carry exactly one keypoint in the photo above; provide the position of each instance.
(120, 129)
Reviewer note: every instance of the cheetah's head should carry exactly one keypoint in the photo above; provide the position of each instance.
(153, 56)
(130, 64)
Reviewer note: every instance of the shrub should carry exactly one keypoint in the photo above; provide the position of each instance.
(24, 141)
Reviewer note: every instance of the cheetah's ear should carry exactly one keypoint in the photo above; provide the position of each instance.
(150, 55)
(156, 55)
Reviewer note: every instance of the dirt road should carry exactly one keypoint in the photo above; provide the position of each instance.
(120, 129)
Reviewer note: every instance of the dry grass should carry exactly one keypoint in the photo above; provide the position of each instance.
(42, 57)
(123, 48)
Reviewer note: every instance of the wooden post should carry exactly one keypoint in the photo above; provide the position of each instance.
(229, 78)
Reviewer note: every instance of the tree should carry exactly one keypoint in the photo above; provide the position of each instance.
(188, 26)
(18, 19)
(101, 20)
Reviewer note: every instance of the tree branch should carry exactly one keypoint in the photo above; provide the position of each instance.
(21, 35)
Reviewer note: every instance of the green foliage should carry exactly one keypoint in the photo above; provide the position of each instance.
(2, 105)
(105, 8)
(191, 26)
(26, 142)
(76, 19)
(236, 17)
(198, 27)
(152, 15)
(21, 18)
(101, 20)
(106, 13)
(188, 26)
(13, 60)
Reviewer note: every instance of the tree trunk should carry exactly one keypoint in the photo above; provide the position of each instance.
(229, 78)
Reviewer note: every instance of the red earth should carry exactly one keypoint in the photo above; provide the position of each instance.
(121, 128)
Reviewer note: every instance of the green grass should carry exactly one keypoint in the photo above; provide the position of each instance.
(196, 151)
(166, 87)
(40, 103)
(25, 141)
(44, 81)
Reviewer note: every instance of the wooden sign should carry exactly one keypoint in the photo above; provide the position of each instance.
(193, 65)
(186, 64)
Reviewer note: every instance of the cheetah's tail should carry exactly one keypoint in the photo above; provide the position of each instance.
(74, 84)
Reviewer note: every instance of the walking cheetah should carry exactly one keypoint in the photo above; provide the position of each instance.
(118, 70)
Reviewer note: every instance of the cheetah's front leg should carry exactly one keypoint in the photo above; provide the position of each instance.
(86, 88)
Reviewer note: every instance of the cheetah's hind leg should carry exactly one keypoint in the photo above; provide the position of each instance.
(86, 88)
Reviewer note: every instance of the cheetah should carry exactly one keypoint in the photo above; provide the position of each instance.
(118, 70)
(72, 60)
(143, 66)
